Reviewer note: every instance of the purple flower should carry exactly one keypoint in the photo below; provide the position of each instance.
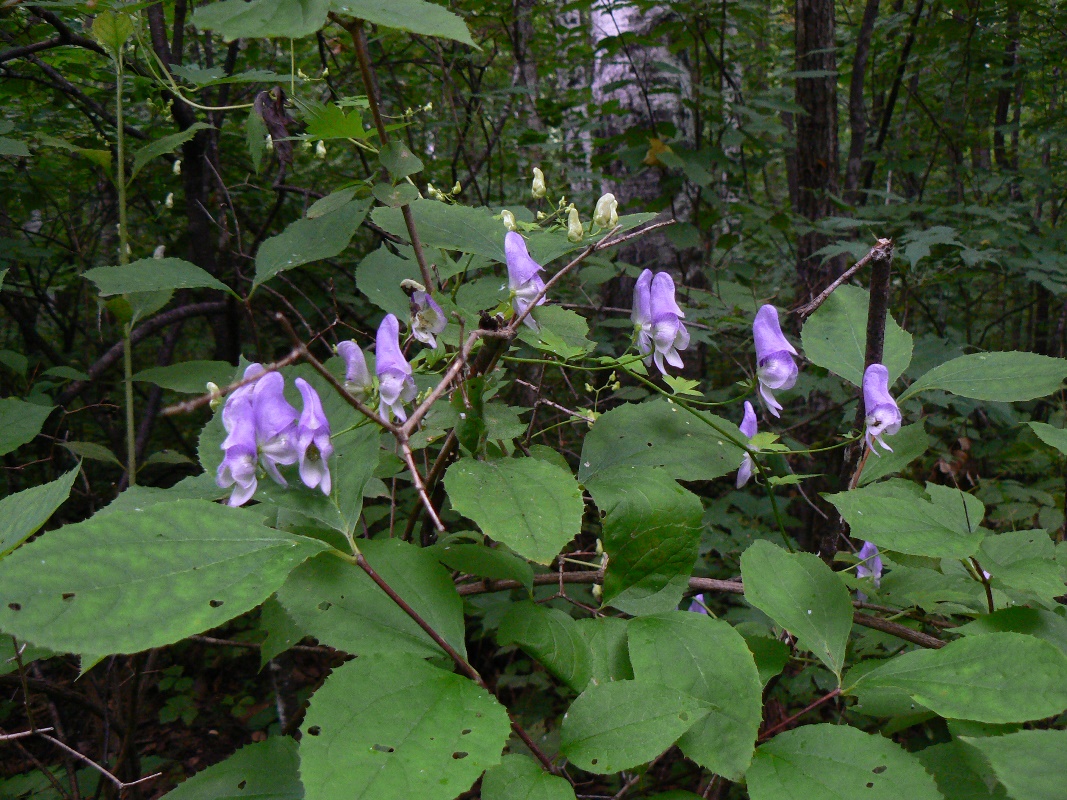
(523, 281)
(883, 416)
(775, 366)
(239, 464)
(748, 428)
(275, 425)
(313, 440)
(870, 565)
(395, 383)
(668, 333)
(358, 380)
(697, 605)
(427, 318)
(642, 314)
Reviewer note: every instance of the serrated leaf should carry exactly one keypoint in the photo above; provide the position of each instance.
(519, 777)
(993, 677)
(709, 660)
(93, 452)
(255, 138)
(392, 727)
(399, 160)
(267, 770)
(20, 422)
(803, 595)
(379, 275)
(152, 275)
(909, 443)
(953, 766)
(532, 506)
(286, 19)
(835, 762)
(134, 580)
(187, 377)
(495, 563)
(326, 121)
(308, 240)
(162, 146)
(1036, 622)
(1053, 437)
(23, 513)
(552, 637)
(395, 196)
(562, 332)
(1003, 377)
(1028, 763)
(415, 16)
(835, 337)
(609, 655)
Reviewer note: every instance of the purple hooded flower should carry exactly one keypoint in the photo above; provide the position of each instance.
(668, 333)
(275, 425)
(427, 318)
(395, 383)
(883, 416)
(775, 366)
(358, 380)
(641, 316)
(239, 464)
(870, 565)
(313, 440)
(523, 281)
(748, 428)
(697, 605)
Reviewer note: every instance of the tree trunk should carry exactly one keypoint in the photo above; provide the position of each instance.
(857, 109)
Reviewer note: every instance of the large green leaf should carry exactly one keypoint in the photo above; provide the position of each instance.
(393, 727)
(1037, 622)
(993, 677)
(287, 19)
(651, 533)
(661, 434)
(379, 276)
(1004, 377)
(1050, 435)
(836, 762)
(152, 275)
(188, 377)
(897, 516)
(20, 422)
(1024, 561)
(23, 513)
(308, 240)
(495, 563)
(835, 337)
(166, 144)
(958, 772)
(533, 506)
(341, 606)
(803, 595)
(125, 582)
(709, 660)
(609, 654)
(415, 16)
(1030, 764)
(617, 726)
(521, 778)
(908, 444)
(267, 770)
(552, 637)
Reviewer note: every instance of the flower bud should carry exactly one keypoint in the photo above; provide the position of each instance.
(606, 214)
(159, 251)
(508, 219)
(216, 396)
(457, 188)
(575, 232)
(538, 188)
(268, 142)
(169, 202)
(177, 168)
(320, 149)
(305, 145)
(326, 72)
(597, 591)
(428, 108)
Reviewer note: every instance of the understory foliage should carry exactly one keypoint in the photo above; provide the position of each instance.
(368, 434)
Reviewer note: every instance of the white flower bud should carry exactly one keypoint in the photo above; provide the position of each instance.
(268, 142)
(597, 591)
(428, 107)
(575, 232)
(159, 251)
(326, 72)
(216, 396)
(169, 202)
(457, 188)
(538, 188)
(300, 74)
(177, 169)
(305, 145)
(606, 214)
(320, 149)
(508, 219)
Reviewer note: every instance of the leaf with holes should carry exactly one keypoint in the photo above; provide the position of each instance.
(23, 513)
(267, 770)
(552, 637)
(393, 727)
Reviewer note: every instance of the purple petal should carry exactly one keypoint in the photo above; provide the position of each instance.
(697, 605)
(389, 357)
(662, 300)
(767, 334)
(642, 306)
(744, 472)
(356, 372)
(313, 439)
(778, 371)
(748, 424)
(883, 415)
(870, 565)
(427, 318)
(521, 267)
(273, 412)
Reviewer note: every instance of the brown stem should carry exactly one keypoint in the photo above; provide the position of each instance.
(767, 734)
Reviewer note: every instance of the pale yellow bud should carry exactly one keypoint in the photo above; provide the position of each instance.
(320, 149)
(269, 142)
(169, 202)
(540, 215)
(575, 231)
(159, 251)
(606, 214)
(177, 169)
(508, 219)
(457, 188)
(538, 188)
(216, 396)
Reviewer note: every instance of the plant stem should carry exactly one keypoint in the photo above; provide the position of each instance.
(124, 258)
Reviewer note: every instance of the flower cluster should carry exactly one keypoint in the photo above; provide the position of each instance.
(657, 320)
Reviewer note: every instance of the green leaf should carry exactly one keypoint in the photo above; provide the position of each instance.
(835, 337)
(1003, 377)
(1036, 622)
(1053, 437)
(13, 147)
(8, 662)
(709, 660)
(399, 160)
(835, 762)
(152, 275)
(661, 434)
(918, 243)
(954, 769)
(609, 655)
(771, 656)
(993, 677)
(651, 533)
(167, 144)
(130, 581)
(803, 595)
(342, 607)
(519, 777)
(267, 770)
(532, 506)
(187, 377)
(379, 275)
(94, 452)
(552, 637)
(414, 16)
(308, 240)
(281, 630)
(562, 332)
(909, 443)
(495, 563)
(1028, 763)
(392, 727)
(403, 194)
(282, 19)
(255, 138)
(22, 514)
(20, 422)
(1024, 561)
(615, 726)
(331, 202)
(112, 30)
(329, 121)
(895, 516)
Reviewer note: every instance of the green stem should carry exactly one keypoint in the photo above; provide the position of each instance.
(124, 258)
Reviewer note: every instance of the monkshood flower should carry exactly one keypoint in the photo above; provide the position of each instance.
(668, 333)
(748, 428)
(275, 425)
(870, 565)
(427, 318)
(395, 382)
(523, 281)
(537, 187)
(239, 464)
(641, 316)
(358, 380)
(697, 605)
(313, 440)
(775, 366)
(606, 213)
(883, 416)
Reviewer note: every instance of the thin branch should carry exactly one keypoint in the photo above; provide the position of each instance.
(204, 399)
(881, 251)
(121, 785)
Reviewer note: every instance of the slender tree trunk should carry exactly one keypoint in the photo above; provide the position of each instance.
(857, 108)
